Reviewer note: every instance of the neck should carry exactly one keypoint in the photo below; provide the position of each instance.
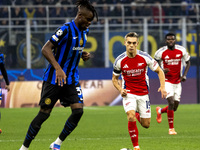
(131, 55)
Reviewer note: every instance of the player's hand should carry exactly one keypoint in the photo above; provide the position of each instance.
(60, 77)
(7, 87)
(123, 92)
(166, 70)
(0, 102)
(163, 92)
(183, 79)
(85, 56)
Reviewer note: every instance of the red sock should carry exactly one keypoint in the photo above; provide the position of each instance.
(137, 115)
(164, 110)
(133, 132)
(170, 115)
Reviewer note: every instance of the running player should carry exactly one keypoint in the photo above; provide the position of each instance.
(5, 76)
(61, 79)
(170, 59)
(133, 65)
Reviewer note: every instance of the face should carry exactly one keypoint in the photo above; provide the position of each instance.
(131, 44)
(170, 42)
(85, 19)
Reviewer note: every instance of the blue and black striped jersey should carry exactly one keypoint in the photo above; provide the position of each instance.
(69, 42)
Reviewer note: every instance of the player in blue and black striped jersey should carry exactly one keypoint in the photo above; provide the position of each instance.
(5, 76)
(61, 78)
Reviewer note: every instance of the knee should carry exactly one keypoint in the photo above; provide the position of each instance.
(145, 123)
(131, 116)
(76, 116)
(77, 112)
(175, 108)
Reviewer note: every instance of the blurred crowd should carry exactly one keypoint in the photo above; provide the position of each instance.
(132, 11)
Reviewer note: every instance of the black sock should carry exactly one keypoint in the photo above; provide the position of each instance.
(35, 127)
(71, 123)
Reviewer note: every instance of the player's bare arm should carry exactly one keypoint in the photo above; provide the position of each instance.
(183, 77)
(161, 76)
(48, 54)
(116, 84)
(85, 56)
(7, 87)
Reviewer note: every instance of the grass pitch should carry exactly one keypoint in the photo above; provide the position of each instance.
(101, 128)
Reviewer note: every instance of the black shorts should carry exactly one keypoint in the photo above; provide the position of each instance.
(68, 94)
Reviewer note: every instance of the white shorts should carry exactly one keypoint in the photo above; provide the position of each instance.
(173, 90)
(138, 103)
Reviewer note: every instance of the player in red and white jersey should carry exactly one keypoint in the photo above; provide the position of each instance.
(171, 58)
(133, 65)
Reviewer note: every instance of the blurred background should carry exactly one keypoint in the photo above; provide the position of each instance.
(25, 25)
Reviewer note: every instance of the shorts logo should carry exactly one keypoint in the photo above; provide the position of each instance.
(127, 103)
(47, 101)
(148, 111)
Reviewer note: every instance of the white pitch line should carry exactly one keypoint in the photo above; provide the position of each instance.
(117, 138)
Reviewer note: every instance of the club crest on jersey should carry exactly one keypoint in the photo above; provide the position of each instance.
(59, 32)
(81, 42)
(140, 64)
(47, 101)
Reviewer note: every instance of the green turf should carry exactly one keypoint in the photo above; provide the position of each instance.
(102, 128)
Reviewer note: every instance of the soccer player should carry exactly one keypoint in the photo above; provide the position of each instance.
(5, 76)
(132, 65)
(170, 58)
(61, 79)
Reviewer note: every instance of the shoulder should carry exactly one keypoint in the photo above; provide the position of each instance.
(120, 57)
(144, 54)
(179, 47)
(161, 50)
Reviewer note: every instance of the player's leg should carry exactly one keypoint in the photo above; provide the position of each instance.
(76, 100)
(177, 96)
(46, 105)
(170, 115)
(169, 88)
(173, 105)
(130, 105)
(144, 108)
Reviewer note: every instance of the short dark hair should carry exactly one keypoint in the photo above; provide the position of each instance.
(131, 34)
(87, 4)
(170, 34)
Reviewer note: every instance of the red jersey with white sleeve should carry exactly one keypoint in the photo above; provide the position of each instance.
(134, 71)
(172, 59)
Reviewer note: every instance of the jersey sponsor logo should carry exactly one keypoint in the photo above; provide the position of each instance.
(59, 32)
(125, 66)
(55, 38)
(78, 48)
(167, 57)
(173, 61)
(134, 72)
(47, 101)
(178, 55)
